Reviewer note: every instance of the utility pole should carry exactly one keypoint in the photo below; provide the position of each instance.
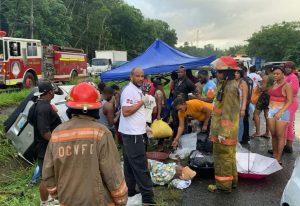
(4, 19)
(31, 19)
(197, 38)
(0, 14)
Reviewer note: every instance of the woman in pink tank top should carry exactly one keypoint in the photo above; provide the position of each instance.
(281, 97)
(293, 80)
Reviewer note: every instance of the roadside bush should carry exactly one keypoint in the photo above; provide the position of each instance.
(13, 98)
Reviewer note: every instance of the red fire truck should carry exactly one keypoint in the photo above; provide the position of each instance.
(24, 61)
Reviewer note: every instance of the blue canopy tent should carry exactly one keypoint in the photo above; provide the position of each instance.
(158, 58)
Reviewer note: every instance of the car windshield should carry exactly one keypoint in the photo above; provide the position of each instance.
(100, 62)
(1, 50)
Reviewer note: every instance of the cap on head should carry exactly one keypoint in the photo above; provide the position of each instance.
(44, 86)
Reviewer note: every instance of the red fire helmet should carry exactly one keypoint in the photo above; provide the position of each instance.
(225, 63)
(84, 96)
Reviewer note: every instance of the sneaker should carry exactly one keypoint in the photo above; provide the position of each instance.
(288, 149)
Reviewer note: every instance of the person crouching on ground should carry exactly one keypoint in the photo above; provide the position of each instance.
(82, 164)
(195, 108)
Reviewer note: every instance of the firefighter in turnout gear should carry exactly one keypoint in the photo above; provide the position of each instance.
(82, 164)
(226, 113)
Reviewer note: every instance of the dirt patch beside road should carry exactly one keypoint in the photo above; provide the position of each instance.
(6, 111)
(10, 166)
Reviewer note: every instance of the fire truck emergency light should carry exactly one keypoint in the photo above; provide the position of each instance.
(2, 33)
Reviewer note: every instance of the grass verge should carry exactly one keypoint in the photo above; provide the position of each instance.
(6, 148)
(167, 196)
(14, 191)
(9, 99)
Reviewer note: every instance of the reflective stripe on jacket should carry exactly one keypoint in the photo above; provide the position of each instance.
(83, 163)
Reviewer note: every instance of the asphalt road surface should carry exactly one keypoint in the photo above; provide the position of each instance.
(266, 192)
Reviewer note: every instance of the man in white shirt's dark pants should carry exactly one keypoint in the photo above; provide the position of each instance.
(132, 127)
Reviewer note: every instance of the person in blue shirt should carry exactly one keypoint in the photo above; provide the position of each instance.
(208, 87)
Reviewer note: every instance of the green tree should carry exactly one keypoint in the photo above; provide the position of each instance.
(239, 49)
(154, 28)
(272, 42)
(87, 24)
(207, 50)
(50, 23)
(293, 53)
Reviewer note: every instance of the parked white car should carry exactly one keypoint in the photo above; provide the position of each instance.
(20, 132)
(291, 193)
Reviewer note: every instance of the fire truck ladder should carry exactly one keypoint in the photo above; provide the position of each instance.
(48, 62)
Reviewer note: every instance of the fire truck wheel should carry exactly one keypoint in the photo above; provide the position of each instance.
(74, 75)
(29, 80)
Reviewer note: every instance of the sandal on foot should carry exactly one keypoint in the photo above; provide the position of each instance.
(265, 136)
(255, 136)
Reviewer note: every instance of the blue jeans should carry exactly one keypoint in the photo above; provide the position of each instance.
(241, 129)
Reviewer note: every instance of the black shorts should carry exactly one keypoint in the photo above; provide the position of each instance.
(263, 102)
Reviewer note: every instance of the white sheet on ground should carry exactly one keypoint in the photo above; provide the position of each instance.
(181, 184)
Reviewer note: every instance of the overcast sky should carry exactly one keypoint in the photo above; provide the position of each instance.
(223, 23)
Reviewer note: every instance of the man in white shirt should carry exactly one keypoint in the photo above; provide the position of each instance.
(255, 77)
(132, 127)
